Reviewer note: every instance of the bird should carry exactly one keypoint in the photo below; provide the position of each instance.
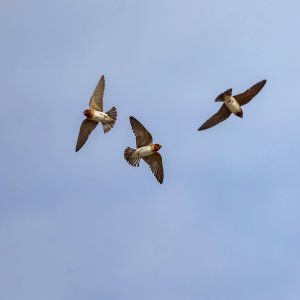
(146, 150)
(95, 115)
(232, 104)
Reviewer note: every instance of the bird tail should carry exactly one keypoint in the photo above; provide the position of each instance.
(132, 157)
(108, 125)
(222, 95)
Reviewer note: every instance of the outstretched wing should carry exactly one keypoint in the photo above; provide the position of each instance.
(217, 118)
(96, 101)
(155, 163)
(87, 126)
(143, 137)
(249, 94)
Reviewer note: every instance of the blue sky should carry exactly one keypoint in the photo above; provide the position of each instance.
(225, 222)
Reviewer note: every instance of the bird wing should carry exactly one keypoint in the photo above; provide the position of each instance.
(87, 126)
(96, 101)
(143, 136)
(155, 163)
(249, 94)
(222, 114)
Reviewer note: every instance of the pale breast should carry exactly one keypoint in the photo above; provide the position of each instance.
(232, 105)
(145, 151)
(99, 116)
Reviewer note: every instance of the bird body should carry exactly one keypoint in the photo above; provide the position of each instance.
(145, 150)
(233, 105)
(98, 116)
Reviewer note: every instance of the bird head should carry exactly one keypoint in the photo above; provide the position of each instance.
(156, 147)
(88, 113)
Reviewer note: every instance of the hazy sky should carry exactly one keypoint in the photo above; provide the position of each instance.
(225, 224)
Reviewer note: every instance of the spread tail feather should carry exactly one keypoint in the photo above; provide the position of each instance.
(108, 125)
(220, 98)
(132, 157)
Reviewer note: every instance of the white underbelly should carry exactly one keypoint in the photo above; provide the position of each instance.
(233, 105)
(144, 151)
(99, 116)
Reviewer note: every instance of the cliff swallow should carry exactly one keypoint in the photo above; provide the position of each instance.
(145, 150)
(95, 115)
(232, 104)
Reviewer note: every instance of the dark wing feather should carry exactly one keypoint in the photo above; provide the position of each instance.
(143, 137)
(217, 118)
(87, 126)
(96, 101)
(155, 163)
(249, 94)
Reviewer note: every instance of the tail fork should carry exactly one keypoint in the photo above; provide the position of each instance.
(132, 157)
(108, 125)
